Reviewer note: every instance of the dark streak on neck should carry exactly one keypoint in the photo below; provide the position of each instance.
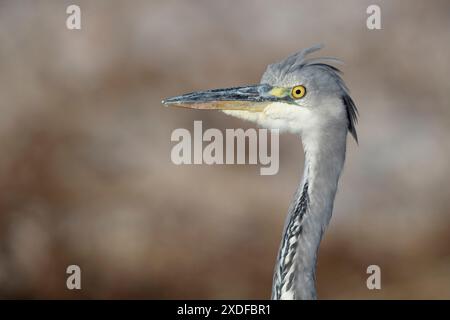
(292, 231)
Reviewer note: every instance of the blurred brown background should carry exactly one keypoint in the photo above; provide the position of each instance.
(85, 170)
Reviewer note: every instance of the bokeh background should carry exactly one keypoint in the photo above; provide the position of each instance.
(85, 170)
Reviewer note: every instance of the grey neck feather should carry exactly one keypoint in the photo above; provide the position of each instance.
(308, 217)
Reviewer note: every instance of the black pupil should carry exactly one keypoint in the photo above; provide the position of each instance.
(297, 91)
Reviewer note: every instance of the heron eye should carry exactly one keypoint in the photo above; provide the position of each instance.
(298, 92)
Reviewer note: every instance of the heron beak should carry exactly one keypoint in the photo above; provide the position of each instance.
(250, 98)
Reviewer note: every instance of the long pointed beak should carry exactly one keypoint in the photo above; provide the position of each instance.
(251, 98)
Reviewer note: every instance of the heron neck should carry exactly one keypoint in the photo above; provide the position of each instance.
(308, 217)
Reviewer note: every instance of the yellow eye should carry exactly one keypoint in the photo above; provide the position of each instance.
(298, 92)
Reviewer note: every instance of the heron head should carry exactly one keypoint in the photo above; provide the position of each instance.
(296, 94)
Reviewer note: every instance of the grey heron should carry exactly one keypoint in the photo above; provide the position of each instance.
(307, 97)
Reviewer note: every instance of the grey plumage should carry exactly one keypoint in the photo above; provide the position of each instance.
(311, 209)
(306, 97)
